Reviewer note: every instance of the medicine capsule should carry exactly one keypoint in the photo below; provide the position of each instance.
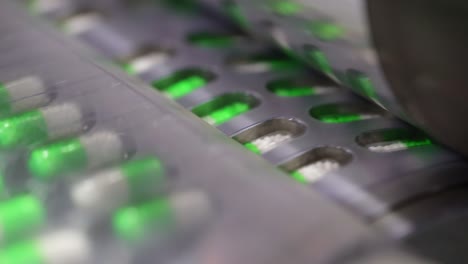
(315, 171)
(109, 189)
(23, 94)
(179, 212)
(268, 142)
(86, 152)
(39, 125)
(20, 216)
(60, 247)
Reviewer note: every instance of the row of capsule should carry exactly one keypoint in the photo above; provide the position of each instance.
(133, 195)
(225, 107)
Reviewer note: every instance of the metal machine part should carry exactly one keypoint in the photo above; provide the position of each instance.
(352, 153)
(407, 56)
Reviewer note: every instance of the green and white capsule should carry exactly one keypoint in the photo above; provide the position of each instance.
(315, 171)
(181, 212)
(23, 94)
(107, 190)
(60, 247)
(268, 142)
(36, 126)
(398, 145)
(20, 216)
(86, 152)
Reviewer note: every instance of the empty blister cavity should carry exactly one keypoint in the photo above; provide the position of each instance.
(261, 63)
(63, 246)
(345, 112)
(207, 39)
(270, 134)
(183, 82)
(298, 88)
(225, 107)
(82, 22)
(23, 94)
(316, 163)
(86, 152)
(146, 58)
(47, 123)
(391, 140)
(132, 181)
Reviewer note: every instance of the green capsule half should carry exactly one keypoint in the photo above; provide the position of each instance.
(51, 160)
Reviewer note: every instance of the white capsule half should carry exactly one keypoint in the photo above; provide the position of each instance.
(102, 148)
(82, 23)
(192, 209)
(386, 147)
(252, 67)
(271, 141)
(63, 120)
(65, 247)
(103, 192)
(27, 93)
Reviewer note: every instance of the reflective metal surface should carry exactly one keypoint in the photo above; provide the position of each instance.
(407, 56)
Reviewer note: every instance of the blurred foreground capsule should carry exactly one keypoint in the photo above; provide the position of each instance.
(20, 216)
(40, 125)
(60, 247)
(23, 94)
(109, 189)
(86, 152)
(46, 7)
(81, 23)
(180, 212)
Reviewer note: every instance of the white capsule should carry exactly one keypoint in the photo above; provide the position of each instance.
(65, 247)
(63, 120)
(82, 23)
(27, 93)
(271, 141)
(316, 170)
(102, 192)
(102, 148)
(191, 209)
